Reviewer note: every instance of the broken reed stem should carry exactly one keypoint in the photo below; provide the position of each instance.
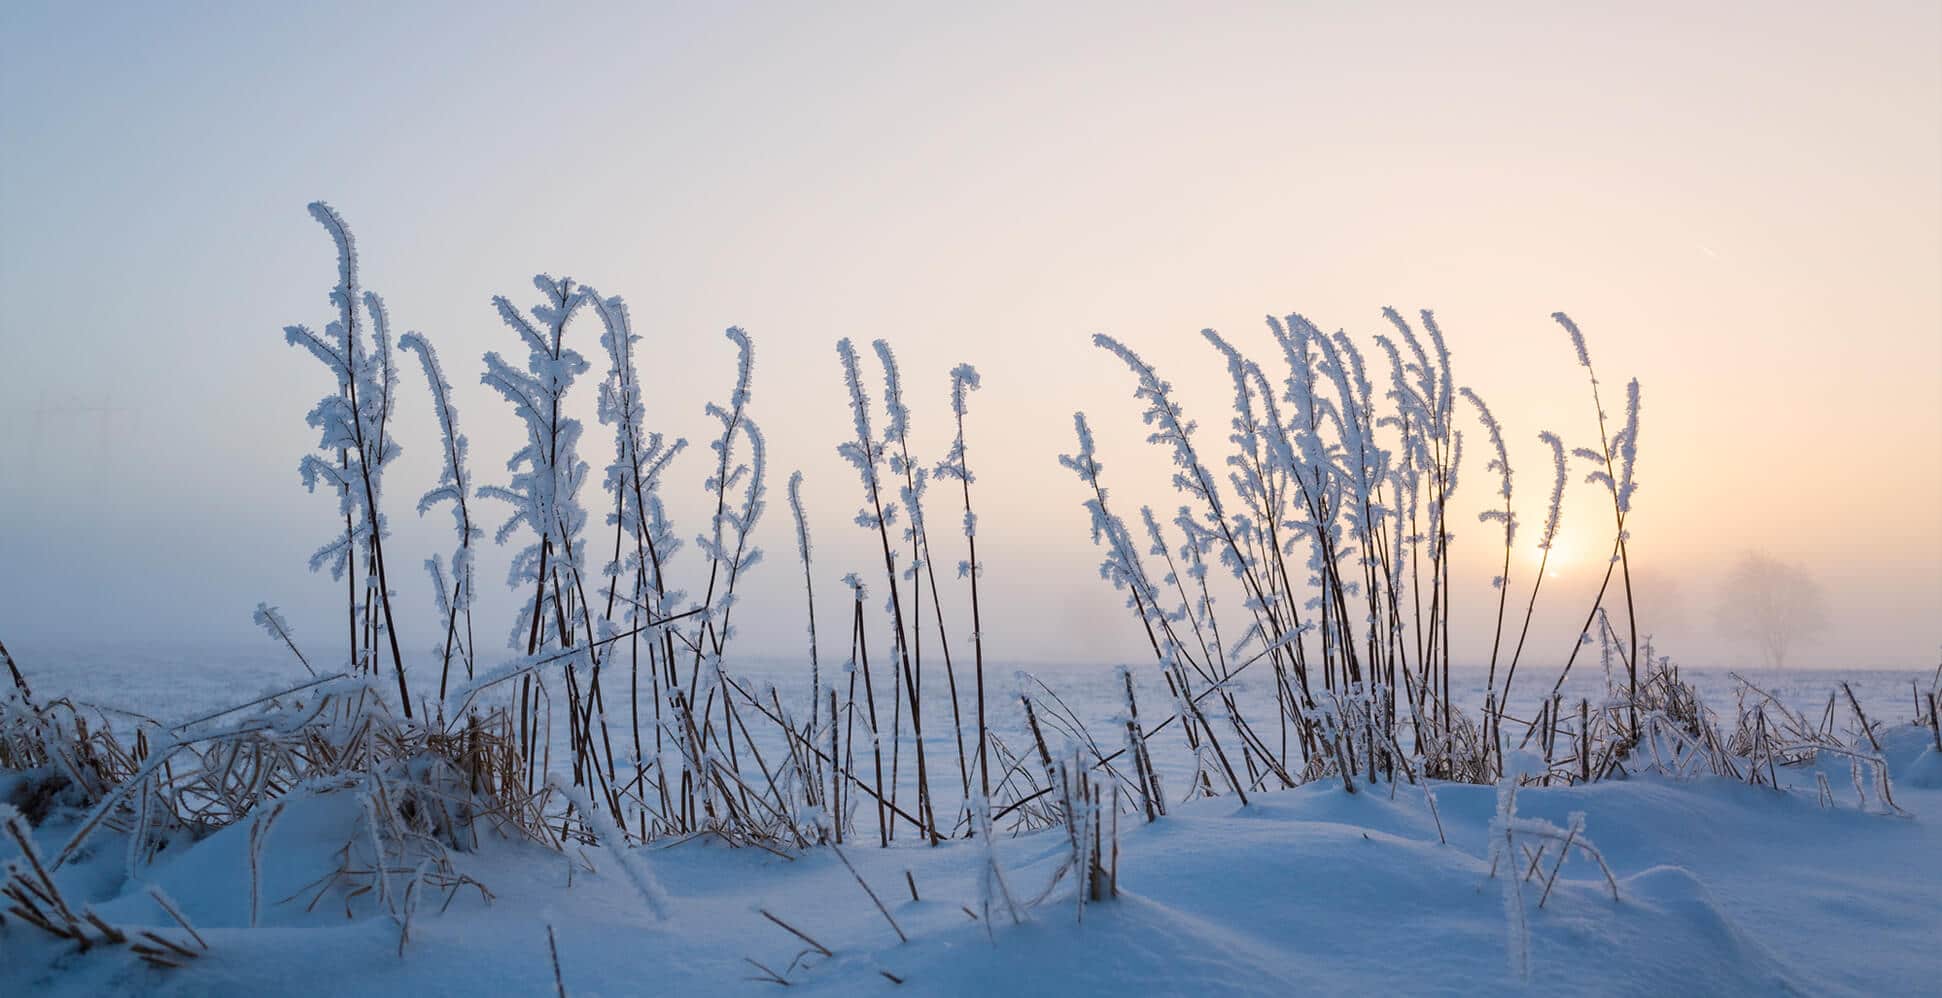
(553, 949)
(167, 904)
(861, 646)
(836, 814)
(1564, 852)
(798, 933)
(1584, 741)
(19, 681)
(1115, 869)
(1866, 729)
(1142, 765)
(860, 882)
(768, 976)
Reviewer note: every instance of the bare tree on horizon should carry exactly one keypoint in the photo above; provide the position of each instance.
(1771, 603)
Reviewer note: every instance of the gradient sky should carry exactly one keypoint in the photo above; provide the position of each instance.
(1740, 203)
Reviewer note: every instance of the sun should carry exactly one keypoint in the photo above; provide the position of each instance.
(1562, 558)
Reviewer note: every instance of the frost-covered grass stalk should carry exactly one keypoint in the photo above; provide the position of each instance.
(1423, 391)
(352, 422)
(957, 465)
(547, 472)
(727, 545)
(544, 490)
(811, 765)
(867, 455)
(1613, 462)
(454, 486)
(642, 537)
(809, 594)
(269, 618)
(860, 660)
(912, 492)
(1499, 463)
(1551, 519)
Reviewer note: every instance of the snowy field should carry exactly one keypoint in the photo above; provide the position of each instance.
(1721, 888)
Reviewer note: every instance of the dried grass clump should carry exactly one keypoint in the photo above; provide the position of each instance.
(331, 735)
(64, 761)
(1682, 737)
(1331, 531)
(32, 896)
(421, 792)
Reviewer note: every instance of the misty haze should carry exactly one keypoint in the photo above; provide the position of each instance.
(1066, 499)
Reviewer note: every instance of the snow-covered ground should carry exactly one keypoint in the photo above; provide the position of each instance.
(1722, 889)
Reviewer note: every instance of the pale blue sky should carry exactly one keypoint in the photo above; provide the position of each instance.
(1740, 204)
